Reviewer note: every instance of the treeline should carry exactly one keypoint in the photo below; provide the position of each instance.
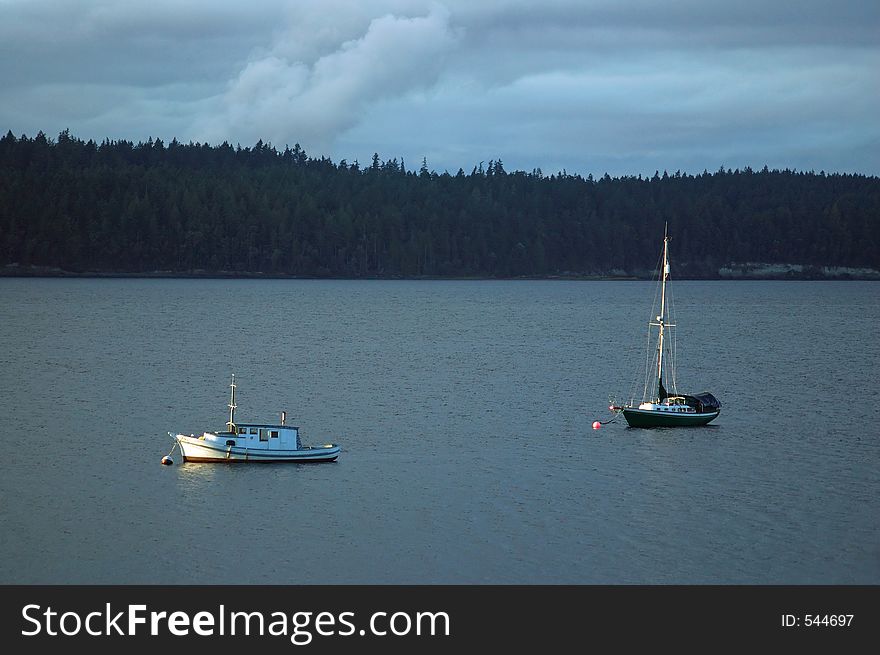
(121, 207)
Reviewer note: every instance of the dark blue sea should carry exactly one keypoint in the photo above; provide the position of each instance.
(464, 409)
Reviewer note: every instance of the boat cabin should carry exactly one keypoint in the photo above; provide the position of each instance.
(672, 404)
(258, 436)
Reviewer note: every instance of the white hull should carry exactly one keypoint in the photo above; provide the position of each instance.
(195, 449)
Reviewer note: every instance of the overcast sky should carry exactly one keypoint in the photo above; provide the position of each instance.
(625, 87)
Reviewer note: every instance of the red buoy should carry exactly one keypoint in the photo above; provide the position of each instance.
(596, 425)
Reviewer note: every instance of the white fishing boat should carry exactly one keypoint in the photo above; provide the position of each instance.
(251, 442)
(659, 407)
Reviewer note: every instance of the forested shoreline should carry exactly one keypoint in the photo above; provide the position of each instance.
(69, 206)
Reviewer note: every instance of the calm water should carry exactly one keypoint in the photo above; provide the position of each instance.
(464, 410)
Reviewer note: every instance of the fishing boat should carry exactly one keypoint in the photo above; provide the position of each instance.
(658, 406)
(251, 442)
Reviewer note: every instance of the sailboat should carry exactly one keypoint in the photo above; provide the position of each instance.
(659, 407)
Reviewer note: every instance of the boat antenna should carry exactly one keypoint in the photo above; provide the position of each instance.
(231, 423)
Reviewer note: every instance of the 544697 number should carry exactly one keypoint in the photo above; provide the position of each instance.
(814, 620)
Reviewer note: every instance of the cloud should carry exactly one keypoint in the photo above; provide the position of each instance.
(625, 86)
(283, 100)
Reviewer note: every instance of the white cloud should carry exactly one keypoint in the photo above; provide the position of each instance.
(284, 101)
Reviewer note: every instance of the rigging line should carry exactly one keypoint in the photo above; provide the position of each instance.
(653, 353)
(649, 360)
(675, 347)
(640, 378)
(172, 447)
(650, 352)
(672, 346)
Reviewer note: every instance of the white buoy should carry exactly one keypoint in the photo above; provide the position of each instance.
(167, 461)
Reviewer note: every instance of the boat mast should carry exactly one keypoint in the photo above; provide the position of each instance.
(231, 424)
(661, 320)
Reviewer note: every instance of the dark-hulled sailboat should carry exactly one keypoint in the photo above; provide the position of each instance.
(659, 407)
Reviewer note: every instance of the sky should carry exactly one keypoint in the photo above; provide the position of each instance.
(624, 87)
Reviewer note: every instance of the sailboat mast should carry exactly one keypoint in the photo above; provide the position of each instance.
(662, 318)
(231, 424)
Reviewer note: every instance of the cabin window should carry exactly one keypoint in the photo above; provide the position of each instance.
(253, 430)
(264, 435)
(274, 434)
(242, 430)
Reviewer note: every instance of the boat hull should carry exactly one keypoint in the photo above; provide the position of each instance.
(194, 449)
(647, 418)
